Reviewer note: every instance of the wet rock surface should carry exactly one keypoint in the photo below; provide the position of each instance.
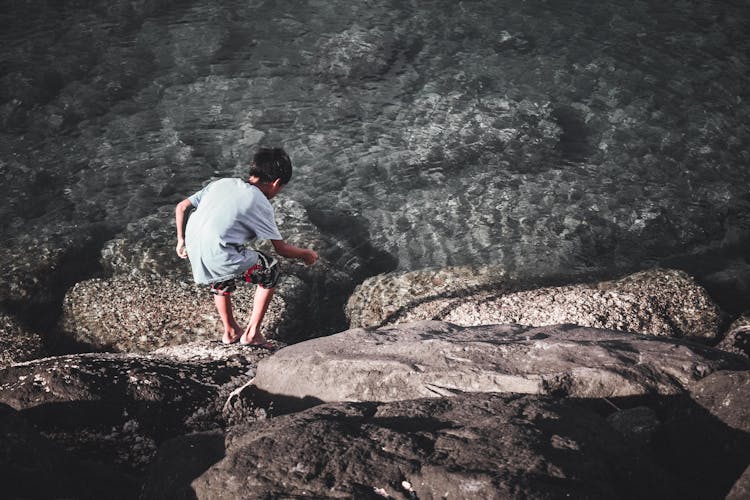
(436, 359)
(147, 246)
(136, 313)
(41, 264)
(658, 302)
(726, 396)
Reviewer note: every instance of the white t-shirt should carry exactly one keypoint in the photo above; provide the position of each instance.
(230, 215)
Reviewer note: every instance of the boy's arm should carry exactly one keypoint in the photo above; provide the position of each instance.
(308, 255)
(179, 216)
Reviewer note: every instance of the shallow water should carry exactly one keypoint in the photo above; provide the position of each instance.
(547, 137)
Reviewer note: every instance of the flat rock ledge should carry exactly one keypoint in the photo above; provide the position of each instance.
(435, 359)
(138, 313)
(661, 302)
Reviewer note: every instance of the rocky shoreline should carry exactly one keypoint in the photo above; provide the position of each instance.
(460, 382)
(603, 141)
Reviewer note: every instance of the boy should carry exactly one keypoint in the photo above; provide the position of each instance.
(229, 215)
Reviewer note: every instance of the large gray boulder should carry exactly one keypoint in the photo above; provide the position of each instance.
(17, 343)
(139, 313)
(434, 359)
(471, 446)
(657, 302)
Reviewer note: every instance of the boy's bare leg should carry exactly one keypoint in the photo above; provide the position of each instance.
(223, 304)
(261, 301)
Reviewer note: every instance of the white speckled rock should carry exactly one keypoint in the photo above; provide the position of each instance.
(138, 313)
(17, 343)
(657, 302)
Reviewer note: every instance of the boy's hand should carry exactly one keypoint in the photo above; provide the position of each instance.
(309, 257)
(181, 251)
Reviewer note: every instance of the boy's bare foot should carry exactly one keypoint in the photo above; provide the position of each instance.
(230, 338)
(232, 335)
(253, 338)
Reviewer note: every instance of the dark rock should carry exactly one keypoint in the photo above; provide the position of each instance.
(137, 313)
(435, 359)
(703, 440)
(471, 446)
(17, 343)
(726, 396)
(117, 408)
(729, 284)
(741, 489)
(178, 462)
(637, 424)
(656, 302)
(32, 466)
(737, 337)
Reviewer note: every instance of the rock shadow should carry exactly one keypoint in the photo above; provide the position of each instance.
(353, 258)
(274, 405)
(701, 455)
(170, 475)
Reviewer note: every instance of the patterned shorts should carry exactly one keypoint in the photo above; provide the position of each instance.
(265, 273)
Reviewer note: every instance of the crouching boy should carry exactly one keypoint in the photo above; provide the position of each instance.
(230, 215)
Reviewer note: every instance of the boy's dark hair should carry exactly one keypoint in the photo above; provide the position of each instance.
(270, 164)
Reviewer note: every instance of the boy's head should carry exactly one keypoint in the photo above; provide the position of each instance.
(270, 164)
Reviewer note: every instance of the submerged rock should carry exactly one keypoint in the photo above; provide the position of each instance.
(39, 265)
(471, 446)
(147, 246)
(657, 302)
(436, 359)
(136, 313)
(726, 396)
